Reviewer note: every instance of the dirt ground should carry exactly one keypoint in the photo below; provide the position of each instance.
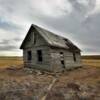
(18, 83)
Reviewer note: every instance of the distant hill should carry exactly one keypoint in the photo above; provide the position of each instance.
(91, 57)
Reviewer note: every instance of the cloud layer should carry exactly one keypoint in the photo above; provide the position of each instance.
(78, 20)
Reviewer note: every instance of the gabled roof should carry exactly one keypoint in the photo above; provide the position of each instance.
(53, 39)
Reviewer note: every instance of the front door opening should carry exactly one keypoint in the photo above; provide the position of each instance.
(63, 64)
(62, 59)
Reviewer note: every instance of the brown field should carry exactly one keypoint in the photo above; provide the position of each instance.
(26, 85)
(13, 61)
(93, 61)
(10, 61)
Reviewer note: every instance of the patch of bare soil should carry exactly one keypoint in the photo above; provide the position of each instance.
(30, 84)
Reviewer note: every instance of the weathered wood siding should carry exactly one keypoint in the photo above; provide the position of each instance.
(51, 56)
(68, 59)
(29, 43)
(39, 45)
(45, 64)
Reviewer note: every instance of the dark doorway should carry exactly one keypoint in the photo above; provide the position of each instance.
(39, 55)
(74, 57)
(63, 64)
(29, 55)
(62, 59)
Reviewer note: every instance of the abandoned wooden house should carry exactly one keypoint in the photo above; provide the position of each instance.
(44, 50)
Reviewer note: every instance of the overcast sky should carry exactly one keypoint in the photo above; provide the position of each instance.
(78, 20)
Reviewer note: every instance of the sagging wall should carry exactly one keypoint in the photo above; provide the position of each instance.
(68, 59)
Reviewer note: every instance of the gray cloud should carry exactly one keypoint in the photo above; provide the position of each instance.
(17, 39)
(9, 45)
(84, 32)
(75, 19)
(8, 48)
(4, 42)
(6, 25)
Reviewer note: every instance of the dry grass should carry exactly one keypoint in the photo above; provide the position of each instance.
(91, 62)
(10, 61)
(20, 79)
(90, 65)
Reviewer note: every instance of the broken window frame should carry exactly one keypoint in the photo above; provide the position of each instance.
(29, 55)
(74, 56)
(39, 56)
